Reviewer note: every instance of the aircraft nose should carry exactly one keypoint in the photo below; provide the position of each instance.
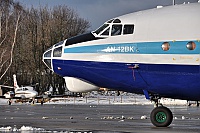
(52, 53)
(47, 58)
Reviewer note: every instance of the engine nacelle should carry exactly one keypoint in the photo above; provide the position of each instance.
(77, 85)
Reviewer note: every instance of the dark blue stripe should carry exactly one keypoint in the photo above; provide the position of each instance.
(173, 81)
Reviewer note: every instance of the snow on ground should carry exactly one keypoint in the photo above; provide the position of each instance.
(108, 100)
(23, 129)
(3, 101)
(114, 100)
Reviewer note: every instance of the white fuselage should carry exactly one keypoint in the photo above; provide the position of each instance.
(25, 92)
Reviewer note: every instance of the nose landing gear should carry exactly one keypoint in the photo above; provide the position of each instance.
(161, 116)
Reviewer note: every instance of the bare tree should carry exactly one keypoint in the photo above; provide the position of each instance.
(10, 13)
(23, 41)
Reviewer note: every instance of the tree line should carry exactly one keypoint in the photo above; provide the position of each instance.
(25, 33)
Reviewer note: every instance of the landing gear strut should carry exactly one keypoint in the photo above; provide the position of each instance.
(160, 116)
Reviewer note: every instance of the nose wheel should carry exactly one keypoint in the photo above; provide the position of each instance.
(161, 116)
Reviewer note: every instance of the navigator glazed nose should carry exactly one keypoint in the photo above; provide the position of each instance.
(53, 52)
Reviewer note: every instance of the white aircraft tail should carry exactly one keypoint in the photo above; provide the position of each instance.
(15, 82)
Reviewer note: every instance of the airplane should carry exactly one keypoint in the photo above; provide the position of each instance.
(155, 52)
(22, 93)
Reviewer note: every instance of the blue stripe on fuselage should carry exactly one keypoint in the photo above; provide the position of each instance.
(173, 81)
(176, 47)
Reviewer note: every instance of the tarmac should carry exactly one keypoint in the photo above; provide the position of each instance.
(97, 118)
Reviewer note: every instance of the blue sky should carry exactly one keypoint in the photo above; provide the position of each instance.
(99, 11)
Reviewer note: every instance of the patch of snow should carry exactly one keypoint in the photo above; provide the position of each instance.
(6, 129)
(121, 121)
(44, 117)
(123, 117)
(3, 101)
(143, 117)
(22, 129)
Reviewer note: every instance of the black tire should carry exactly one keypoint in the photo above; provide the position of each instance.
(161, 116)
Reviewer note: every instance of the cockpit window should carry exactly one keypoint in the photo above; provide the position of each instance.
(128, 29)
(117, 21)
(101, 28)
(48, 62)
(57, 52)
(116, 30)
(106, 32)
(48, 54)
(110, 21)
(114, 27)
(25, 89)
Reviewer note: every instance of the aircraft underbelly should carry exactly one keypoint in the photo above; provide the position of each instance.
(176, 81)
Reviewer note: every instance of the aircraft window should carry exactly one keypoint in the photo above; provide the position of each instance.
(191, 45)
(60, 43)
(165, 46)
(117, 21)
(116, 30)
(106, 32)
(128, 29)
(57, 52)
(47, 54)
(110, 21)
(48, 62)
(101, 28)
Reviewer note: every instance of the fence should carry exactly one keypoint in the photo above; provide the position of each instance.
(102, 100)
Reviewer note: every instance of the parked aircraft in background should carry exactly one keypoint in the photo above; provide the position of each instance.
(26, 92)
(23, 93)
(154, 52)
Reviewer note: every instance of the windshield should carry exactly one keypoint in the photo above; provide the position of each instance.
(114, 27)
(116, 30)
(100, 29)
